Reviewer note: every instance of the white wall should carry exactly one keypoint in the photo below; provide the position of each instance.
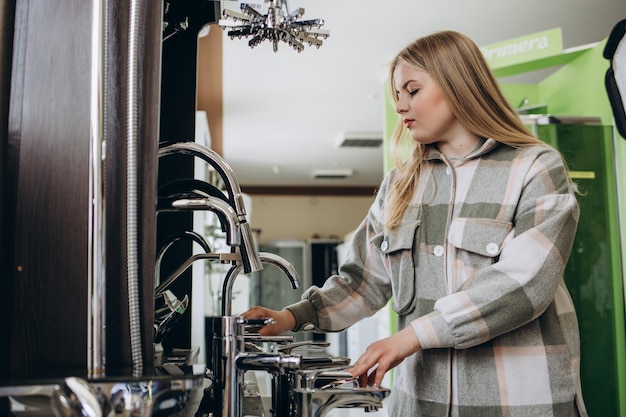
(306, 217)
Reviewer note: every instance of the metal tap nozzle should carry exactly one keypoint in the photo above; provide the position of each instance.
(276, 363)
(265, 257)
(216, 205)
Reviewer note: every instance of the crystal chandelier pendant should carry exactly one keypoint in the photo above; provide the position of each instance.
(278, 25)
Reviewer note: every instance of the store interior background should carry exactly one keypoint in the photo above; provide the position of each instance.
(277, 117)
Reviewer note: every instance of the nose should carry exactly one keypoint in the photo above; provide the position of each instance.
(401, 106)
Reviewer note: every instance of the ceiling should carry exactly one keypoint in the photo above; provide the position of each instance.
(284, 113)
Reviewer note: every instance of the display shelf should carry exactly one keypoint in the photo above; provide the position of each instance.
(567, 56)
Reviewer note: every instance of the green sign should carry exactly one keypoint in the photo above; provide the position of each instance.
(524, 49)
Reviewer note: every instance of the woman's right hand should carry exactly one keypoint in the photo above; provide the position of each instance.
(285, 320)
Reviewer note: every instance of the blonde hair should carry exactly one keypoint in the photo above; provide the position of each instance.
(458, 67)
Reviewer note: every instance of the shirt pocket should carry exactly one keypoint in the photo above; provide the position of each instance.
(399, 252)
(481, 236)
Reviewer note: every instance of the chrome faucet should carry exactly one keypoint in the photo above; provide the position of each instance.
(173, 238)
(229, 358)
(221, 257)
(266, 258)
(249, 256)
(75, 397)
(226, 213)
(319, 402)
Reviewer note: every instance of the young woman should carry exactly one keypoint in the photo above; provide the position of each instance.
(469, 237)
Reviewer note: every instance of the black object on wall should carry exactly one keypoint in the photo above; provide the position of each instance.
(614, 82)
(178, 122)
(7, 15)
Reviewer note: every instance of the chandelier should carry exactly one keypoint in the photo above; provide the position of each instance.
(278, 25)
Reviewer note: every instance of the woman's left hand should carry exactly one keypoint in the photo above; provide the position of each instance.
(383, 355)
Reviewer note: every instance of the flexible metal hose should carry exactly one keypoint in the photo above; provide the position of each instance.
(132, 197)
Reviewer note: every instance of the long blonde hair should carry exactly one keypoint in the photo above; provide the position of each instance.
(458, 67)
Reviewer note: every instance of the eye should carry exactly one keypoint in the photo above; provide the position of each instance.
(413, 92)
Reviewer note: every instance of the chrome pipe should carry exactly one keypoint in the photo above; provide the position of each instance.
(96, 288)
(229, 379)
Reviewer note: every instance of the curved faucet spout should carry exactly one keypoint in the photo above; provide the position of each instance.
(173, 238)
(283, 265)
(319, 402)
(250, 258)
(219, 206)
(217, 162)
(267, 258)
(221, 257)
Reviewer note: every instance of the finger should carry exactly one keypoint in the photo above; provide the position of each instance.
(360, 367)
(362, 380)
(376, 377)
(371, 378)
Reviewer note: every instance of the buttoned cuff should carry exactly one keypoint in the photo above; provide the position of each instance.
(305, 315)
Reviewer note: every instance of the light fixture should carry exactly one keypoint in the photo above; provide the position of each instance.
(360, 140)
(332, 174)
(277, 25)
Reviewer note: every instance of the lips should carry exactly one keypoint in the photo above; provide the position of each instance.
(408, 122)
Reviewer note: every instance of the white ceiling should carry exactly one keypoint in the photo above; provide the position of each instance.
(285, 112)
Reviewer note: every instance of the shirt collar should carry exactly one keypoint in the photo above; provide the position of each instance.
(484, 147)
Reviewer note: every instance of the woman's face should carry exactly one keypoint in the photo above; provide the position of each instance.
(423, 108)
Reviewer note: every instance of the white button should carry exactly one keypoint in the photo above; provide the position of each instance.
(384, 245)
(448, 171)
(308, 327)
(438, 251)
(492, 248)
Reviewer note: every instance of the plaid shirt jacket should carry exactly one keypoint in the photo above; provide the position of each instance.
(476, 269)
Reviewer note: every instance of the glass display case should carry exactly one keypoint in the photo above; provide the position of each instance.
(593, 273)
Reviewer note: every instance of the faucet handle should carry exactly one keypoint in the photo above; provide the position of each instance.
(253, 325)
(288, 348)
(256, 337)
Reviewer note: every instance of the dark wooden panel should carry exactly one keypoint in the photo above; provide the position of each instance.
(48, 331)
